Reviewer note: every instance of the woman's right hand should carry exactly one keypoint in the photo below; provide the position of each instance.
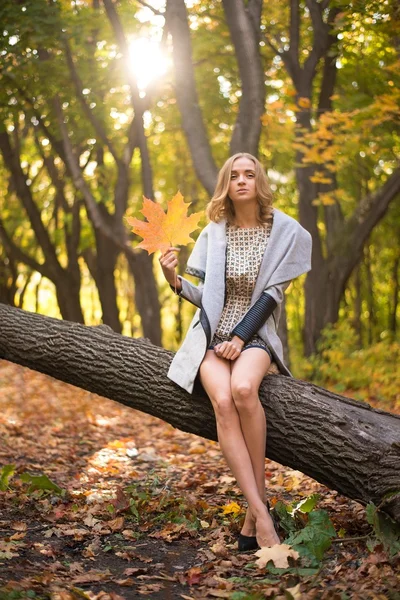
(169, 262)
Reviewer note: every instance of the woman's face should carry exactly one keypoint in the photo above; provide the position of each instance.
(242, 187)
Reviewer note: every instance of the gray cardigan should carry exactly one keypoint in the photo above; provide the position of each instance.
(287, 255)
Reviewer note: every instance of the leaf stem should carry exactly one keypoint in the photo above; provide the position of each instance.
(351, 539)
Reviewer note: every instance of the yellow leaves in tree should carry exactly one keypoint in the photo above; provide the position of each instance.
(325, 199)
(163, 230)
(320, 177)
(304, 102)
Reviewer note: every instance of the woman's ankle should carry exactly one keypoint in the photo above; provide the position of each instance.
(259, 512)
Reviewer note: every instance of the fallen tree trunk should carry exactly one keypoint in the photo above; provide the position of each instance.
(344, 444)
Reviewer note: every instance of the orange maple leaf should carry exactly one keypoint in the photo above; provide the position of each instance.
(163, 230)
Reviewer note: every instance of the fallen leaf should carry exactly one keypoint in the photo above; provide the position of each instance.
(116, 524)
(19, 526)
(295, 592)
(204, 524)
(17, 536)
(149, 588)
(125, 582)
(278, 554)
(219, 549)
(231, 508)
(92, 576)
(90, 521)
(193, 575)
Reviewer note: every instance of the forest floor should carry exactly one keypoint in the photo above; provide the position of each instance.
(142, 510)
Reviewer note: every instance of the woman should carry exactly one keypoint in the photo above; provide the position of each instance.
(245, 258)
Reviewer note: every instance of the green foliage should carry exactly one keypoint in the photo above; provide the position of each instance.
(369, 373)
(309, 531)
(41, 483)
(315, 538)
(19, 594)
(155, 502)
(5, 475)
(386, 531)
(304, 506)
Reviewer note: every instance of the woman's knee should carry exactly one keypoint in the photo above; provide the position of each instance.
(245, 395)
(223, 405)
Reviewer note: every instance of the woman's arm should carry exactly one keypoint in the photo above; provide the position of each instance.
(261, 310)
(178, 284)
(189, 291)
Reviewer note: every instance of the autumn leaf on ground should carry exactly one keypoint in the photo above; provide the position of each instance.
(278, 554)
(163, 230)
(231, 508)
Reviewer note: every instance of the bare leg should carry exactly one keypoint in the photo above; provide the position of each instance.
(247, 373)
(215, 375)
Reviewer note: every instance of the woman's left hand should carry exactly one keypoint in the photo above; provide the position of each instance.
(230, 350)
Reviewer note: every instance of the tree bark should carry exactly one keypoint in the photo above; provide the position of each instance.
(343, 443)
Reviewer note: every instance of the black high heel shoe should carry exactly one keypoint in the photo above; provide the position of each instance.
(246, 543)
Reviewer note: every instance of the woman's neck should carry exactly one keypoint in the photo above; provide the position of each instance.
(245, 219)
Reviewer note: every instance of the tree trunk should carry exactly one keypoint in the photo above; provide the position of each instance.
(395, 301)
(358, 304)
(101, 265)
(245, 29)
(8, 281)
(370, 297)
(146, 295)
(342, 443)
(68, 297)
(186, 95)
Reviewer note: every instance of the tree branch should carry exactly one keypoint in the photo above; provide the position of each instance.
(154, 10)
(13, 164)
(359, 227)
(97, 126)
(18, 255)
(80, 182)
(274, 48)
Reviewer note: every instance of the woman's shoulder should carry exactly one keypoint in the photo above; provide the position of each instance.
(213, 227)
(286, 220)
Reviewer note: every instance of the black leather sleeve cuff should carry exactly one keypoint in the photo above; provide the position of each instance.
(255, 317)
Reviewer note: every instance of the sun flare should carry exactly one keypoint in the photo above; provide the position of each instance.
(147, 61)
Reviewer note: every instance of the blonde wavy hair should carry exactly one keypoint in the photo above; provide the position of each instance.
(221, 206)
